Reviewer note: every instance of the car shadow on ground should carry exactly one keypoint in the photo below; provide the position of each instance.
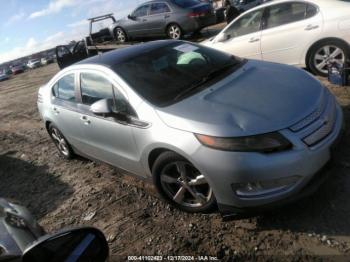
(327, 211)
(22, 181)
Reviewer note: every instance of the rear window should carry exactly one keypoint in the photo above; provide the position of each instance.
(186, 3)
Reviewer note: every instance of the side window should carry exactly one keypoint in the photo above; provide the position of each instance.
(94, 88)
(311, 11)
(64, 88)
(247, 24)
(282, 14)
(141, 11)
(159, 8)
(121, 105)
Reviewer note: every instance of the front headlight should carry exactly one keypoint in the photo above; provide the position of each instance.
(265, 143)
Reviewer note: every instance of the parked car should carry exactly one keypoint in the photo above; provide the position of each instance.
(195, 122)
(17, 69)
(33, 63)
(172, 18)
(309, 33)
(23, 240)
(46, 60)
(243, 5)
(4, 76)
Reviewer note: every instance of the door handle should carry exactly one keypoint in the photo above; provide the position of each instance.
(86, 120)
(254, 40)
(55, 110)
(311, 27)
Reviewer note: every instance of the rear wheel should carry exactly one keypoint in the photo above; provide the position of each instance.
(61, 143)
(181, 184)
(326, 52)
(174, 31)
(120, 35)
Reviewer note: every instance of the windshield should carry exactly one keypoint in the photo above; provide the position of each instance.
(186, 3)
(162, 74)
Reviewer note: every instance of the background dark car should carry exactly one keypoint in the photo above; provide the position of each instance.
(172, 18)
(17, 69)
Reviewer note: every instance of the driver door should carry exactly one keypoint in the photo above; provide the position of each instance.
(137, 25)
(243, 36)
(106, 137)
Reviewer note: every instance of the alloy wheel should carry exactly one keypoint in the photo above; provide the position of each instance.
(328, 54)
(174, 32)
(185, 185)
(121, 35)
(60, 142)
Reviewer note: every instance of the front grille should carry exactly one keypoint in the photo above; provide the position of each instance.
(319, 124)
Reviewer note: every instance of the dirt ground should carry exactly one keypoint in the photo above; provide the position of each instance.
(136, 222)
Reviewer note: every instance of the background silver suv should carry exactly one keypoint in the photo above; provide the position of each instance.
(172, 18)
(203, 125)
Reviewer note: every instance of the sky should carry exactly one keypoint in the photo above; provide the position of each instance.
(29, 26)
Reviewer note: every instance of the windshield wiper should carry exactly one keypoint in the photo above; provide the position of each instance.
(212, 74)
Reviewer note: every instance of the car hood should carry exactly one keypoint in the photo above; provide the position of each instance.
(258, 98)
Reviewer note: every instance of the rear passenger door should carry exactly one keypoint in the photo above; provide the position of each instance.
(158, 18)
(289, 29)
(64, 112)
(107, 138)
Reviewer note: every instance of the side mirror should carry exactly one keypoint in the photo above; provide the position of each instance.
(224, 37)
(79, 244)
(102, 107)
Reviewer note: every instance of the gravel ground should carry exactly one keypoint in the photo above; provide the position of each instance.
(136, 222)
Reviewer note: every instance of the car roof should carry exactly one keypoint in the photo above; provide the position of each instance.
(118, 56)
(321, 3)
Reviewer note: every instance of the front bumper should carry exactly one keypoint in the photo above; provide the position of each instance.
(308, 164)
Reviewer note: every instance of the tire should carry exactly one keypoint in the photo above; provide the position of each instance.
(188, 191)
(60, 142)
(120, 35)
(174, 31)
(324, 52)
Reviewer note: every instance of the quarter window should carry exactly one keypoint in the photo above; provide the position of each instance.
(94, 88)
(250, 23)
(64, 88)
(282, 14)
(141, 11)
(311, 11)
(159, 8)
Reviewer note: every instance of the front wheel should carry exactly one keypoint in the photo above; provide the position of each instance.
(174, 31)
(324, 53)
(181, 184)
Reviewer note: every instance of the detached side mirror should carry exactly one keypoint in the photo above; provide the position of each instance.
(79, 244)
(102, 107)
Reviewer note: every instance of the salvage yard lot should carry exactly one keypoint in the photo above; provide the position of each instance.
(80, 192)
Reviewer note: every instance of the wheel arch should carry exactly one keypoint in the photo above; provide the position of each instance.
(309, 50)
(122, 28)
(155, 153)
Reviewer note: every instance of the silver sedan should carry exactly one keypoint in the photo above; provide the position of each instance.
(206, 127)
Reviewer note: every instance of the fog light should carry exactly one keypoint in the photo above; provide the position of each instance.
(264, 188)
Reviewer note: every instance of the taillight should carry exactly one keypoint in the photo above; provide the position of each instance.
(197, 14)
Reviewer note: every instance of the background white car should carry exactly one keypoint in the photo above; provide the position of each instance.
(308, 33)
(33, 63)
